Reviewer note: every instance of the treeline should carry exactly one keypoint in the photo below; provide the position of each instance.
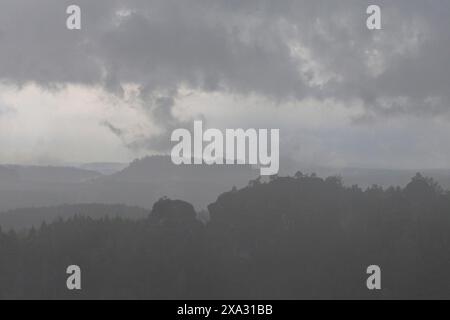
(27, 218)
(291, 238)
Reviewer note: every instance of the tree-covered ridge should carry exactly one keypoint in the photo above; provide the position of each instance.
(291, 237)
(26, 218)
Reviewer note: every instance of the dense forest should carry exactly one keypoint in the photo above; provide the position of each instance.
(290, 237)
(26, 218)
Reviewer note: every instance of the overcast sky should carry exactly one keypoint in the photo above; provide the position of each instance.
(340, 94)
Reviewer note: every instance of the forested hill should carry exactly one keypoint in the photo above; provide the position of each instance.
(291, 237)
(26, 218)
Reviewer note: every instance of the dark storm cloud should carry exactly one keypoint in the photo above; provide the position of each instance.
(159, 44)
(241, 47)
(116, 131)
(159, 109)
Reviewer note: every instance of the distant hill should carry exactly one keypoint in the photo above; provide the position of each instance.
(366, 177)
(386, 178)
(140, 183)
(161, 168)
(106, 168)
(8, 175)
(145, 180)
(26, 186)
(46, 173)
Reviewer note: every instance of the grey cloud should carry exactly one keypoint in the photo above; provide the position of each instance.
(159, 108)
(115, 130)
(240, 47)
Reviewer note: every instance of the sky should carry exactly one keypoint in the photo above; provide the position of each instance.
(341, 95)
